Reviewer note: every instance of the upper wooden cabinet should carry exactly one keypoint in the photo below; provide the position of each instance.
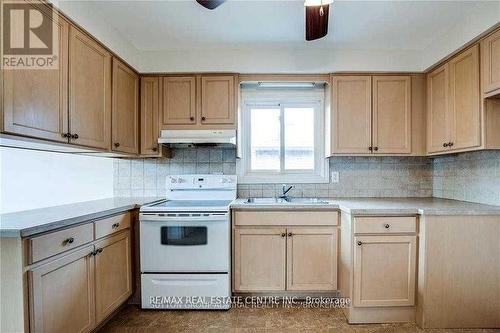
(89, 91)
(125, 113)
(454, 110)
(150, 115)
(179, 100)
(392, 114)
(371, 115)
(437, 109)
(217, 99)
(465, 108)
(199, 102)
(490, 64)
(351, 113)
(35, 102)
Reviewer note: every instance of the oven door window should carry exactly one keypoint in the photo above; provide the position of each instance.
(178, 235)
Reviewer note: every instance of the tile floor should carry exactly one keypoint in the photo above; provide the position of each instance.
(290, 320)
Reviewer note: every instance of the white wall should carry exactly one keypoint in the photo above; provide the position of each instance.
(34, 179)
(485, 16)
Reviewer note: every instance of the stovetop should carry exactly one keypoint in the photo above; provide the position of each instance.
(188, 206)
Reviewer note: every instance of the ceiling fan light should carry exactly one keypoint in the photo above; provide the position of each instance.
(310, 3)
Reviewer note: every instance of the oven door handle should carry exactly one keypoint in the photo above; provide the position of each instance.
(158, 218)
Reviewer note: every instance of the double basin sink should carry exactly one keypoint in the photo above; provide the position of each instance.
(286, 200)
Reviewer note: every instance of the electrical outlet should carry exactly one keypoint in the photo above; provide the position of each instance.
(335, 176)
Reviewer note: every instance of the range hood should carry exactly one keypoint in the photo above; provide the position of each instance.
(198, 136)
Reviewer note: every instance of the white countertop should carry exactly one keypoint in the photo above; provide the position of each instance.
(30, 222)
(383, 206)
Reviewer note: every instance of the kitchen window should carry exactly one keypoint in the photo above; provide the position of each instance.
(282, 136)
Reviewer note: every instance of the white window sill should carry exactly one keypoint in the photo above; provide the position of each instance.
(275, 178)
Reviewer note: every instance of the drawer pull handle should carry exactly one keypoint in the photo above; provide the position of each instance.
(283, 235)
(115, 225)
(360, 243)
(387, 226)
(69, 241)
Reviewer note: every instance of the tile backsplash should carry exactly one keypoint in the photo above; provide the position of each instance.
(359, 176)
(473, 176)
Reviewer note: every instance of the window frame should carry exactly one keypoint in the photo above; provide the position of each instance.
(273, 98)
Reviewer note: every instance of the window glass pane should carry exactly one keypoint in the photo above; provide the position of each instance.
(265, 139)
(299, 138)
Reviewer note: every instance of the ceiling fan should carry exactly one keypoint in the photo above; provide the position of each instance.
(317, 12)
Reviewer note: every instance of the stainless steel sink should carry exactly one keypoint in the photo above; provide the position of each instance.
(288, 200)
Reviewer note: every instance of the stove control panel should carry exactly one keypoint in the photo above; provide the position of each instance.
(193, 182)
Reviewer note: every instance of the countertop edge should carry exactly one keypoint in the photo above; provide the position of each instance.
(72, 221)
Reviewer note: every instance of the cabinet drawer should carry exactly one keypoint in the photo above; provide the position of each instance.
(111, 225)
(302, 218)
(385, 225)
(48, 245)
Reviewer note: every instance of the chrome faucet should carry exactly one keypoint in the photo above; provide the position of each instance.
(285, 191)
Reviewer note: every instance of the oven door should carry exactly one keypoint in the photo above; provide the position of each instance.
(184, 242)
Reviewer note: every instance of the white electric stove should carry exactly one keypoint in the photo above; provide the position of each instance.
(185, 244)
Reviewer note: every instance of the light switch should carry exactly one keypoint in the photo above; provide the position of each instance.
(335, 177)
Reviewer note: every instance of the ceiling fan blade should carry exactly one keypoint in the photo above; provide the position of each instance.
(210, 4)
(316, 24)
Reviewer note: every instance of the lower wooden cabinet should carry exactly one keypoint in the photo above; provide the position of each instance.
(62, 294)
(384, 270)
(259, 259)
(112, 274)
(312, 259)
(77, 291)
(278, 259)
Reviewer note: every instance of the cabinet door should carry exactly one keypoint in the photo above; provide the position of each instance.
(464, 107)
(217, 100)
(490, 64)
(62, 294)
(312, 259)
(384, 271)
(179, 100)
(259, 259)
(113, 274)
(438, 129)
(125, 115)
(89, 91)
(35, 102)
(150, 107)
(351, 115)
(392, 114)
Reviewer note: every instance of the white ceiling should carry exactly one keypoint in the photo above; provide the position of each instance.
(174, 26)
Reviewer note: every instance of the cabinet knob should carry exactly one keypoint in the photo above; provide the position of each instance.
(69, 240)
(66, 135)
(376, 148)
(370, 148)
(387, 226)
(203, 118)
(450, 144)
(445, 144)
(360, 243)
(74, 136)
(192, 118)
(283, 235)
(115, 225)
(155, 149)
(99, 250)
(117, 144)
(290, 234)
